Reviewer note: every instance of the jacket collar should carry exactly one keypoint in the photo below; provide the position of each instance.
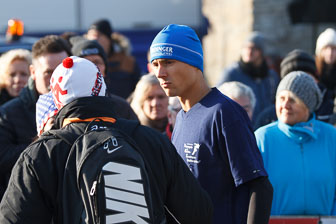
(29, 95)
(301, 132)
(86, 107)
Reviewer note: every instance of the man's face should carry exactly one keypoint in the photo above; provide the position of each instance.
(42, 69)
(98, 61)
(251, 54)
(176, 78)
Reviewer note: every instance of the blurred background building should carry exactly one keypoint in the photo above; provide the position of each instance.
(288, 24)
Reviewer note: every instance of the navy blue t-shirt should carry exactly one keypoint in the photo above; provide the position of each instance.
(216, 140)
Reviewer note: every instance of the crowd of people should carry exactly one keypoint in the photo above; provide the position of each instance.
(258, 144)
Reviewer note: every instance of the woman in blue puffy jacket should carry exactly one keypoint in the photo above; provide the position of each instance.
(299, 151)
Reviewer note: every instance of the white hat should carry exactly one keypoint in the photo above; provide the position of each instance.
(327, 37)
(74, 78)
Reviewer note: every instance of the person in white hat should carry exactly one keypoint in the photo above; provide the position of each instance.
(36, 189)
(326, 58)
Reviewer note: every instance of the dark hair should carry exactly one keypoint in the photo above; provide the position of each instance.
(103, 26)
(50, 44)
(67, 36)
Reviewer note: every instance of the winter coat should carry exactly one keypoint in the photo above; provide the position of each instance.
(17, 130)
(18, 126)
(263, 88)
(36, 191)
(301, 163)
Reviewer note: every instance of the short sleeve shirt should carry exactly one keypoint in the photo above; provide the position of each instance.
(216, 141)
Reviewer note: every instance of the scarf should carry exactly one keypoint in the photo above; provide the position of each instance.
(254, 71)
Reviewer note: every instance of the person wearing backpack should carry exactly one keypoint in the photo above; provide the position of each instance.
(95, 168)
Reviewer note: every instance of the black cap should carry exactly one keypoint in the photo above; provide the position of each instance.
(103, 26)
(298, 60)
(84, 47)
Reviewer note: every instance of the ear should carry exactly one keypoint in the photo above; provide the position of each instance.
(32, 71)
(150, 68)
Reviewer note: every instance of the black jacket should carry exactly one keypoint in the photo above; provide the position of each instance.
(36, 187)
(18, 126)
(4, 96)
(122, 107)
(17, 130)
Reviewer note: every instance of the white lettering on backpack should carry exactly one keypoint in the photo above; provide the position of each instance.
(119, 190)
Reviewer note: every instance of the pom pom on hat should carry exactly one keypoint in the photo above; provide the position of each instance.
(45, 109)
(178, 42)
(304, 87)
(74, 78)
(67, 63)
(327, 37)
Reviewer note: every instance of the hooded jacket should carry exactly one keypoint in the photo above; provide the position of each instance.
(36, 190)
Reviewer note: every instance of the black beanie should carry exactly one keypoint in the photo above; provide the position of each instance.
(298, 60)
(103, 26)
(84, 47)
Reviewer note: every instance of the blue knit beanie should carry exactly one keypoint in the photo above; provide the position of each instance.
(178, 42)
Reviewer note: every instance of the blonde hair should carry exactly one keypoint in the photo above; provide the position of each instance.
(7, 58)
(140, 94)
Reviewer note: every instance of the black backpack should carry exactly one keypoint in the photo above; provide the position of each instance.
(111, 175)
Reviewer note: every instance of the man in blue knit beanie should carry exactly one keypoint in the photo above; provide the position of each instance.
(212, 133)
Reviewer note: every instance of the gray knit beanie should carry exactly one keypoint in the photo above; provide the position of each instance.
(304, 87)
(258, 39)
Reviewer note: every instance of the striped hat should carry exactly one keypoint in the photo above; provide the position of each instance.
(45, 109)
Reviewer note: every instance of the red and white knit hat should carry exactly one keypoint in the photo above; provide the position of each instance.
(76, 77)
